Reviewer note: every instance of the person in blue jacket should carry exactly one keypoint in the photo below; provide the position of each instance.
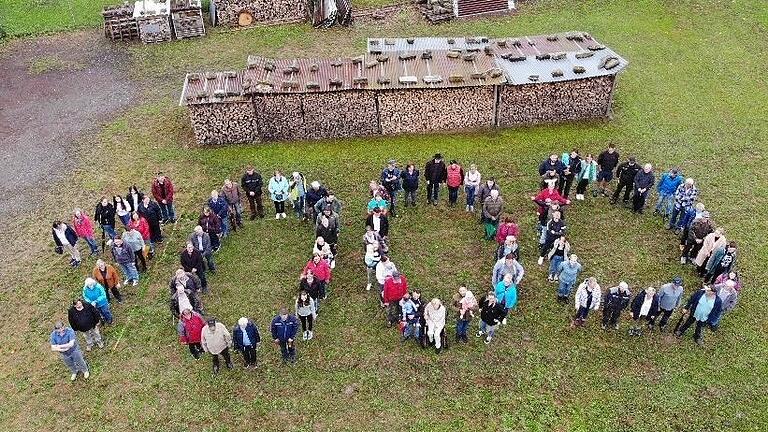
(246, 339)
(94, 294)
(410, 184)
(666, 189)
(703, 308)
(506, 292)
(219, 205)
(284, 328)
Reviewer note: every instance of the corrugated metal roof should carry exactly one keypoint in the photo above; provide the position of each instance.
(463, 8)
(213, 87)
(384, 45)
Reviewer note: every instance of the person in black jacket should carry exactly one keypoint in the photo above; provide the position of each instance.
(192, 261)
(65, 239)
(606, 162)
(105, 216)
(569, 173)
(435, 173)
(150, 211)
(645, 306)
(246, 339)
(410, 178)
(491, 314)
(551, 170)
(616, 300)
(625, 172)
(703, 308)
(644, 180)
(252, 182)
(378, 222)
(84, 317)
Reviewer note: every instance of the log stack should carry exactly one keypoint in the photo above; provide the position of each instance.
(247, 12)
(280, 117)
(187, 18)
(340, 114)
(119, 24)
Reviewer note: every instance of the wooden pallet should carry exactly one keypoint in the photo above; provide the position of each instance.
(188, 23)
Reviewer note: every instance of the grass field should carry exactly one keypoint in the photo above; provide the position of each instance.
(694, 96)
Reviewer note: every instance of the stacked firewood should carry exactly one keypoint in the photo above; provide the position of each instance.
(224, 123)
(424, 110)
(261, 11)
(340, 114)
(187, 17)
(156, 28)
(280, 117)
(555, 102)
(437, 11)
(119, 23)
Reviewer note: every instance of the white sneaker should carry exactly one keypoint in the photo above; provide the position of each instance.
(472, 209)
(556, 278)
(135, 282)
(487, 340)
(682, 260)
(504, 321)
(109, 242)
(125, 282)
(73, 377)
(479, 333)
(540, 261)
(277, 215)
(304, 336)
(86, 374)
(283, 215)
(311, 335)
(368, 287)
(466, 209)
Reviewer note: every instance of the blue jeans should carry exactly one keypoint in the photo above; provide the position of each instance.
(224, 225)
(470, 190)
(75, 361)
(487, 328)
(717, 320)
(433, 191)
(169, 214)
(665, 203)
(298, 207)
(462, 326)
(105, 312)
(687, 218)
(130, 271)
(565, 287)
(125, 219)
(92, 244)
(109, 230)
(211, 263)
(554, 263)
(411, 330)
(453, 194)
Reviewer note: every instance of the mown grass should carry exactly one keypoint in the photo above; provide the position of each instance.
(693, 96)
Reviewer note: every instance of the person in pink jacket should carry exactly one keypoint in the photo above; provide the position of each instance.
(508, 228)
(83, 226)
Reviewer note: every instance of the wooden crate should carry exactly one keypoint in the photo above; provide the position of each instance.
(188, 23)
(119, 23)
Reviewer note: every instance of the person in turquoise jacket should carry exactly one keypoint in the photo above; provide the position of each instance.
(506, 292)
(587, 174)
(666, 190)
(94, 294)
(278, 191)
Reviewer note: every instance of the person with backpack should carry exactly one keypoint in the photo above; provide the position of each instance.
(616, 300)
(283, 329)
(435, 173)
(246, 340)
(252, 183)
(454, 179)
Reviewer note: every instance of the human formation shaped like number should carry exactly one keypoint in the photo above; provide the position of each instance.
(143, 218)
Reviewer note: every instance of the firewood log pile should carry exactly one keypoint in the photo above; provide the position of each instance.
(229, 12)
(280, 117)
(224, 123)
(340, 114)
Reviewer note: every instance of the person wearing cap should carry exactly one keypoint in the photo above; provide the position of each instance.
(510, 246)
(668, 184)
(252, 183)
(616, 300)
(202, 243)
(126, 260)
(378, 221)
(192, 261)
(283, 329)
(493, 207)
(278, 191)
(645, 307)
(84, 317)
(695, 234)
(435, 173)
(297, 191)
(586, 175)
(587, 298)
(644, 179)
(182, 297)
(190, 329)
(670, 294)
(551, 171)
(491, 315)
(216, 340)
(233, 195)
(94, 294)
(702, 308)
(395, 287)
(434, 315)
(561, 248)
(625, 172)
(63, 340)
(218, 204)
(572, 165)
(454, 179)
(606, 162)
(162, 190)
(504, 266)
(506, 293)
(307, 313)
(106, 275)
(472, 181)
(729, 296)
(567, 273)
(246, 339)
(390, 180)
(315, 194)
(684, 200)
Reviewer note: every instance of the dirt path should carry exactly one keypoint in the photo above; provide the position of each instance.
(53, 91)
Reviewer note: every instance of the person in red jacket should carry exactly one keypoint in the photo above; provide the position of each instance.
(454, 180)
(162, 190)
(508, 228)
(83, 226)
(544, 198)
(190, 326)
(395, 287)
(320, 268)
(142, 226)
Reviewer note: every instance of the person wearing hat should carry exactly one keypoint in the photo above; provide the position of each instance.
(670, 295)
(190, 328)
(252, 183)
(606, 162)
(247, 339)
(644, 179)
(551, 171)
(390, 179)
(702, 308)
(684, 201)
(645, 307)
(668, 184)
(283, 329)
(297, 191)
(454, 179)
(395, 287)
(616, 300)
(64, 341)
(625, 172)
(434, 315)
(216, 340)
(435, 173)
(315, 194)
(278, 191)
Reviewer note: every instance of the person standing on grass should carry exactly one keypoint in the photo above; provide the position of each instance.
(233, 195)
(712, 242)
(493, 207)
(606, 162)
(587, 174)
(616, 300)
(510, 246)
(252, 183)
(192, 261)
(184, 297)
(84, 229)
(551, 171)
(411, 319)
(84, 317)
(729, 297)
(644, 180)
(94, 294)
(454, 179)
(572, 166)
(218, 204)
(125, 258)
(506, 293)
(315, 194)
(668, 185)
(567, 273)
(216, 340)
(65, 239)
(434, 315)
(162, 190)
(670, 295)
(320, 268)
(395, 287)
(491, 314)
(384, 269)
(684, 200)
(694, 236)
(484, 192)
(588, 298)
(555, 229)
(390, 179)
(151, 212)
(435, 173)
(645, 307)
(283, 329)
(379, 222)
(64, 341)
(122, 209)
(328, 229)
(702, 308)
(246, 339)
(732, 275)
(465, 305)
(305, 310)
(507, 228)
(559, 253)
(106, 275)
(545, 200)
(133, 198)
(721, 261)
(190, 328)
(278, 191)
(472, 180)
(140, 224)
(327, 201)
(211, 224)
(314, 288)
(625, 172)
(371, 260)
(297, 191)
(505, 266)
(410, 184)
(105, 216)
(202, 243)
(135, 242)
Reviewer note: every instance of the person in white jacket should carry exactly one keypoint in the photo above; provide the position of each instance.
(588, 297)
(472, 180)
(434, 315)
(384, 268)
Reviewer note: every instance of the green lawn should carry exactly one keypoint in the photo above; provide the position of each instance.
(694, 96)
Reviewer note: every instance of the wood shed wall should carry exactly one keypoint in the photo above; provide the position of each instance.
(340, 114)
(263, 11)
(280, 117)
(224, 123)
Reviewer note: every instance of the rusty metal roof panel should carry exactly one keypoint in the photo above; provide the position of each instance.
(385, 45)
(317, 75)
(213, 87)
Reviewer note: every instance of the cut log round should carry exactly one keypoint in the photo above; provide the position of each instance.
(245, 19)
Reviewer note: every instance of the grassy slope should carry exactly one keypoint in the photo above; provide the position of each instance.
(692, 96)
